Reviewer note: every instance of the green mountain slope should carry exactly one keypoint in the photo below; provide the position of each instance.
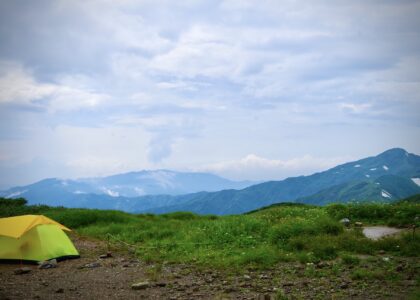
(354, 180)
(386, 188)
(411, 199)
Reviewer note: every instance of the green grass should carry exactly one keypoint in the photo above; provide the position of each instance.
(350, 259)
(259, 239)
(402, 213)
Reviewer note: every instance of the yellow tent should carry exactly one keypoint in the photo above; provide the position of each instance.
(34, 238)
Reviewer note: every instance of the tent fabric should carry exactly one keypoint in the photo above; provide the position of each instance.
(37, 242)
(17, 226)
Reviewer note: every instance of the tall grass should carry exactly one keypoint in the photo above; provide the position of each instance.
(259, 239)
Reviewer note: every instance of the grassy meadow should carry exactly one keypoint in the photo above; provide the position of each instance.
(260, 239)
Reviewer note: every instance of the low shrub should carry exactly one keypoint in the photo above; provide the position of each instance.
(181, 215)
(397, 214)
(76, 218)
(350, 259)
(364, 274)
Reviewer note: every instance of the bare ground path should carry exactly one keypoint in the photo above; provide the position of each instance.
(112, 279)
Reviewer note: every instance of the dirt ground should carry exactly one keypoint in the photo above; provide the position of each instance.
(113, 277)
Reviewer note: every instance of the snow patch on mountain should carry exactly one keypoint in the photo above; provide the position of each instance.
(357, 166)
(385, 194)
(18, 193)
(163, 178)
(110, 192)
(416, 181)
(373, 169)
(367, 175)
(385, 167)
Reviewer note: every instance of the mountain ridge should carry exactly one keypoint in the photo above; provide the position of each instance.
(394, 161)
(127, 185)
(352, 181)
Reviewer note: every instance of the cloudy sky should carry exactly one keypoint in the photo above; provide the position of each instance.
(246, 89)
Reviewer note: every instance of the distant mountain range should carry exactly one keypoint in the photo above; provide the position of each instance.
(55, 191)
(387, 177)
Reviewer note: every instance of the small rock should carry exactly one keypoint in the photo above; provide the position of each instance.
(321, 265)
(59, 291)
(48, 264)
(409, 282)
(305, 282)
(288, 284)
(21, 271)
(244, 284)
(90, 265)
(264, 276)
(107, 255)
(140, 285)
(399, 268)
(344, 285)
(161, 284)
(230, 289)
(381, 252)
(345, 222)
(358, 224)
(386, 259)
(247, 277)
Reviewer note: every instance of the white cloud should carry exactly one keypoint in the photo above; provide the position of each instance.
(19, 87)
(83, 151)
(355, 107)
(200, 52)
(193, 82)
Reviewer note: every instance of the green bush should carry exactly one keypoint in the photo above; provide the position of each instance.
(350, 259)
(182, 215)
(12, 202)
(17, 207)
(329, 226)
(291, 227)
(261, 257)
(398, 214)
(363, 274)
(76, 218)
